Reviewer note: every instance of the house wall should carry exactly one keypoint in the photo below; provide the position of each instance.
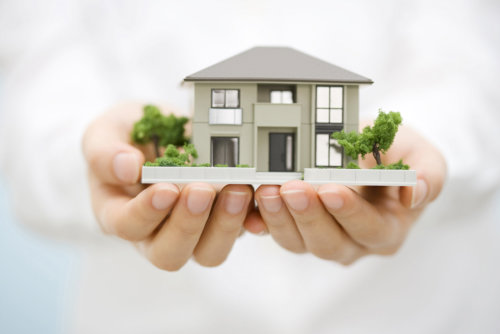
(304, 94)
(351, 113)
(254, 141)
(202, 131)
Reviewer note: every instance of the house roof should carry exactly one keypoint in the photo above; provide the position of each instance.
(276, 64)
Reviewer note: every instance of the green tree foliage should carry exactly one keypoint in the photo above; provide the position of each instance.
(175, 157)
(376, 139)
(159, 129)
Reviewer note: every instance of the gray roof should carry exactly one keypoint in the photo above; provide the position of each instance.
(276, 64)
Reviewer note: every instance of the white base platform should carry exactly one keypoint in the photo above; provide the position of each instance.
(233, 175)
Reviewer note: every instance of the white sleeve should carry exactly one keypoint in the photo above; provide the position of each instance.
(441, 73)
(50, 95)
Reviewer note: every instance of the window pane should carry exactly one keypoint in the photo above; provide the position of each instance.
(336, 97)
(322, 149)
(336, 116)
(322, 115)
(335, 153)
(275, 96)
(225, 151)
(322, 97)
(289, 153)
(287, 97)
(218, 98)
(232, 98)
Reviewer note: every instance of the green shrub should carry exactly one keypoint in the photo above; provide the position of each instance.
(221, 165)
(243, 166)
(395, 166)
(353, 165)
(398, 165)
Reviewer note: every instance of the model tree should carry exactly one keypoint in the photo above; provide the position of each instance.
(159, 129)
(376, 139)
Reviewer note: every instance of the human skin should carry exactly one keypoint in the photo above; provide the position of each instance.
(343, 224)
(170, 225)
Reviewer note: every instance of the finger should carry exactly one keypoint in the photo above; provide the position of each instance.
(108, 152)
(175, 242)
(224, 225)
(322, 235)
(132, 218)
(254, 223)
(361, 220)
(278, 220)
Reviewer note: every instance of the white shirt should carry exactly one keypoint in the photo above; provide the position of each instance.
(437, 63)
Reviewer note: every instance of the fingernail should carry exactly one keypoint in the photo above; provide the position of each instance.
(331, 199)
(198, 199)
(126, 167)
(419, 193)
(164, 197)
(234, 202)
(271, 203)
(296, 199)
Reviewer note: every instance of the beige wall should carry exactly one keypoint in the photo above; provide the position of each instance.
(202, 131)
(254, 141)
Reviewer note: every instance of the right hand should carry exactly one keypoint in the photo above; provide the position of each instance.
(167, 224)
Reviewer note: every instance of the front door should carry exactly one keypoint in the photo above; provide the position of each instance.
(281, 148)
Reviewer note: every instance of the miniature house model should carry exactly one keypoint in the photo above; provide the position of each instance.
(274, 108)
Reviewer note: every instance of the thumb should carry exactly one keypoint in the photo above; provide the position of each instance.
(109, 154)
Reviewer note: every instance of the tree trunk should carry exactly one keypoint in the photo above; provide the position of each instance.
(376, 154)
(156, 140)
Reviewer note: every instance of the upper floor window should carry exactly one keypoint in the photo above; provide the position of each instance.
(281, 96)
(329, 104)
(225, 98)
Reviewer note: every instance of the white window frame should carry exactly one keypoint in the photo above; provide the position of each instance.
(331, 109)
(225, 114)
(225, 90)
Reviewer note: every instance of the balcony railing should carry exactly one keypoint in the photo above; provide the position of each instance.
(224, 116)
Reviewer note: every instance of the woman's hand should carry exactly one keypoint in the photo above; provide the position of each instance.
(167, 224)
(342, 223)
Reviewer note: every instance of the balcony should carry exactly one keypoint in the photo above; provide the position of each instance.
(224, 116)
(277, 115)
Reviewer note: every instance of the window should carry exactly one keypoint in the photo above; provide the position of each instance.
(225, 151)
(328, 151)
(225, 98)
(329, 104)
(281, 96)
(225, 107)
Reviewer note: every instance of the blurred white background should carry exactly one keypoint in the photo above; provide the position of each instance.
(435, 61)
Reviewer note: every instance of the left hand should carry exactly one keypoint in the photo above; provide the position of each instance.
(343, 223)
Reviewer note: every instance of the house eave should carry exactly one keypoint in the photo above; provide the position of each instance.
(274, 80)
